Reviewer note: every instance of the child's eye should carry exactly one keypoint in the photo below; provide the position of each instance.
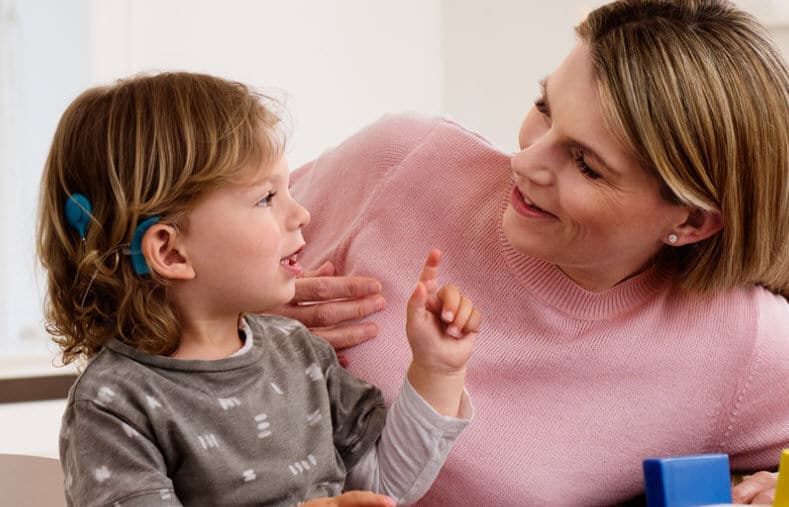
(266, 201)
(542, 107)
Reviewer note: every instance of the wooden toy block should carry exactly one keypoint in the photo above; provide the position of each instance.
(685, 481)
(782, 489)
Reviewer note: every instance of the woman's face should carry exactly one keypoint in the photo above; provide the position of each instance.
(581, 200)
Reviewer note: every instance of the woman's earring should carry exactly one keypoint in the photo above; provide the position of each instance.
(672, 238)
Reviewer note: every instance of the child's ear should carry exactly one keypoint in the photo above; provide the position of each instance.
(162, 253)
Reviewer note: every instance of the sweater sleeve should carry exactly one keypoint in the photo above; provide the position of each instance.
(358, 411)
(107, 461)
(338, 186)
(414, 445)
(758, 427)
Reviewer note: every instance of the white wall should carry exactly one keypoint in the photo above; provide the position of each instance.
(496, 52)
(342, 63)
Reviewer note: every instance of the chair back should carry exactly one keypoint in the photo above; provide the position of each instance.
(31, 481)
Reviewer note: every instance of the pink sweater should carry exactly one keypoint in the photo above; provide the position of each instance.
(572, 389)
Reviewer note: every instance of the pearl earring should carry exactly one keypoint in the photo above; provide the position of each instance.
(672, 238)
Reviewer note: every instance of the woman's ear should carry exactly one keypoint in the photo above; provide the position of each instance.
(164, 255)
(699, 225)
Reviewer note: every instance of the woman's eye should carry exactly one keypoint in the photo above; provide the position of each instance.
(266, 201)
(587, 171)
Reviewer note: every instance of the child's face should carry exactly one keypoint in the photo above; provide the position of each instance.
(242, 240)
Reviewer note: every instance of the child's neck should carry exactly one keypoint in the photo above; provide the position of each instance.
(208, 340)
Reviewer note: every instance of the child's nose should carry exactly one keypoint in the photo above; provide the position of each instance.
(300, 216)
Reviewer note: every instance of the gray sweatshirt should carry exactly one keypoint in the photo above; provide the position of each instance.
(278, 424)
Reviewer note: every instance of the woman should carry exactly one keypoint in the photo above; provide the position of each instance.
(632, 259)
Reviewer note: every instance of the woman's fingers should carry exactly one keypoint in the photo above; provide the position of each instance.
(760, 485)
(766, 497)
(327, 288)
(347, 336)
(335, 312)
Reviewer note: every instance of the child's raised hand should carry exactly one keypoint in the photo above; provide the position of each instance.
(442, 324)
(352, 499)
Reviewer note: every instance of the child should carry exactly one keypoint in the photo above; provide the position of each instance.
(165, 219)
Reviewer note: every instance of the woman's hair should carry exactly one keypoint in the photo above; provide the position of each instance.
(698, 92)
(145, 146)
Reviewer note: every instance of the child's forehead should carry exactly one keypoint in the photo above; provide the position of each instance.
(264, 172)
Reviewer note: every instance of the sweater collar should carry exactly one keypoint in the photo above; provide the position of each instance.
(253, 351)
(549, 284)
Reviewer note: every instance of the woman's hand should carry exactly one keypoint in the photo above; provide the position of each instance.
(324, 303)
(442, 326)
(758, 488)
(352, 499)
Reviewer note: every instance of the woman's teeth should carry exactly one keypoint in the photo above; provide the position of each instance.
(530, 203)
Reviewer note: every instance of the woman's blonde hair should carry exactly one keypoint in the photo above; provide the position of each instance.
(145, 146)
(697, 90)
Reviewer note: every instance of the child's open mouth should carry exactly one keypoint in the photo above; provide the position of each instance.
(291, 263)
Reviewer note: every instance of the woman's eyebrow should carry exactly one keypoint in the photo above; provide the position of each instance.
(584, 146)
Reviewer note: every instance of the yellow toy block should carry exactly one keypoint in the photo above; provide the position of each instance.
(782, 489)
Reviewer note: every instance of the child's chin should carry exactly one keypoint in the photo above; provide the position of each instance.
(286, 295)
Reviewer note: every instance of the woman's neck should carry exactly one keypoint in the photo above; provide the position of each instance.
(599, 280)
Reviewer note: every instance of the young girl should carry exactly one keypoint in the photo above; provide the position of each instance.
(165, 219)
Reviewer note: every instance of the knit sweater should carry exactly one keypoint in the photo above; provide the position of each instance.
(573, 389)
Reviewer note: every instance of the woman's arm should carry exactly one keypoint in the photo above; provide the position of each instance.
(759, 423)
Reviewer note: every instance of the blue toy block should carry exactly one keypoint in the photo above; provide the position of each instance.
(686, 481)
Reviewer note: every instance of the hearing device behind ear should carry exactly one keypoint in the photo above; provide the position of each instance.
(78, 210)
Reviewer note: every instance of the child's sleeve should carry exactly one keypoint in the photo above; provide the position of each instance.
(107, 461)
(358, 413)
(399, 454)
(412, 449)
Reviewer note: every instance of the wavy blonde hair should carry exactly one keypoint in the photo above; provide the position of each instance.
(149, 145)
(699, 92)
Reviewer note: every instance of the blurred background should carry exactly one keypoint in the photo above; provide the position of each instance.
(337, 64)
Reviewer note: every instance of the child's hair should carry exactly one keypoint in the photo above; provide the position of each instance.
(145, 146)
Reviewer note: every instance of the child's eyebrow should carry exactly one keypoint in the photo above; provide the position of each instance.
(258, 181)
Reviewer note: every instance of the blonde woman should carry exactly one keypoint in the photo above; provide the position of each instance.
(632, 259)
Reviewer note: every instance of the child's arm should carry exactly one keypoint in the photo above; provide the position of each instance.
(424, 421)
(106, 461)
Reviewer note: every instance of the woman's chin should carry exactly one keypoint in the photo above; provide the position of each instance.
(521, 237)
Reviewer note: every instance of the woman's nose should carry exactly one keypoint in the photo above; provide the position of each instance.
(533, 163)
